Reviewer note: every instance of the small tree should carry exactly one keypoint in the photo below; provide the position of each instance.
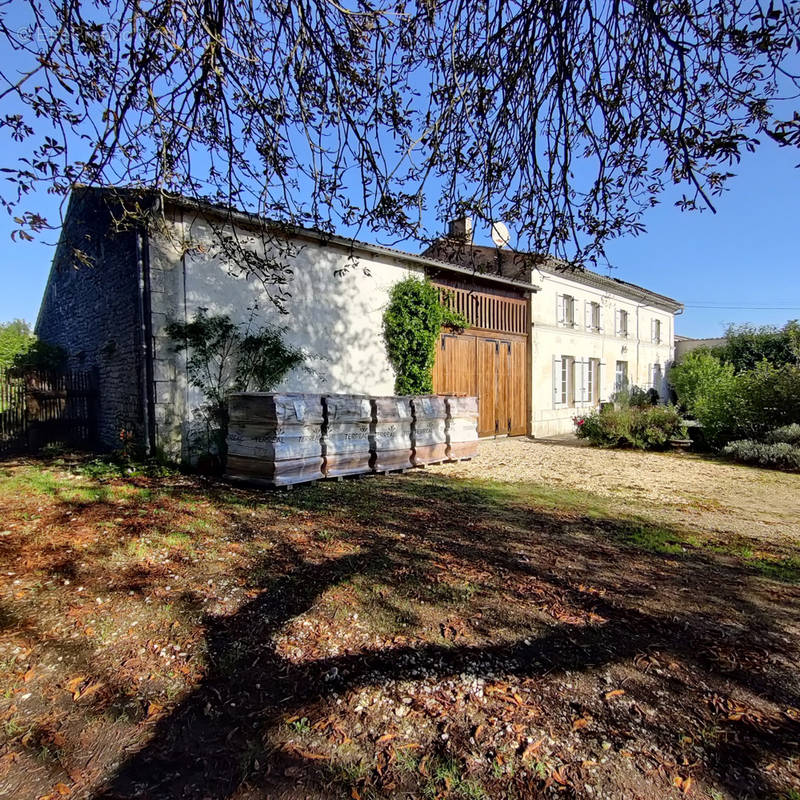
(15, 337)
(698, 374)
(411, 326)
(21, 351)
(225, 357)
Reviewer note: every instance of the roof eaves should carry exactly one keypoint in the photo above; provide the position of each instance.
(247, 219)
(625, 288)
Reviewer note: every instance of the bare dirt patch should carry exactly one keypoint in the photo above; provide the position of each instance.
(415, 636)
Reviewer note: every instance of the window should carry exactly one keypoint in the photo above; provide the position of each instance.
(622, 322)
(621, 376)
(564, 381)
(656, 331)
(593, 318)
(586, 375)
(565, 304)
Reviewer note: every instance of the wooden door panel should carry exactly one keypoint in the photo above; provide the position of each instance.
(517, 388)
(454, 370)
(487, 381)
(503, 358)
(495, 370)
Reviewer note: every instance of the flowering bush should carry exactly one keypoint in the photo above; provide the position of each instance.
(642, 427)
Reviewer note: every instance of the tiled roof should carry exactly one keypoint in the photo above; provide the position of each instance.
(488, 260)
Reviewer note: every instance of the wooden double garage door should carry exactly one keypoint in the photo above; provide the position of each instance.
(492, 366)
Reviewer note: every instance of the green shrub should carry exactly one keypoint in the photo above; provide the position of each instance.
(740, 406)
(697, 375)
(770, 397)
(775, 455)
(790, 434)
(643, 427)
(15, 337)
(412, 323)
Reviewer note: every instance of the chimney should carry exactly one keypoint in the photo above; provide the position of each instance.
(461, 229)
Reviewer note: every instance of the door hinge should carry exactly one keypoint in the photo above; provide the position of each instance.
(509, 424)
(443, 341)
(496, 426)
(497, 347)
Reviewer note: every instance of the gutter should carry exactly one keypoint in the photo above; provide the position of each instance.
(146, 341)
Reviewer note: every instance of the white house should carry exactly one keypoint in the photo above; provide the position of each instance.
(542, 345)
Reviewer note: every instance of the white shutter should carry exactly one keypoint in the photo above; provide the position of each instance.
(587, 315)
(601, 374)
(585, 367)
(600, 316)
(560, 309)
(617, 322)
(653, 330)
(556, 381)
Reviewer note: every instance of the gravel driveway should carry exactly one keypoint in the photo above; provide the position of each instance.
(702, 493)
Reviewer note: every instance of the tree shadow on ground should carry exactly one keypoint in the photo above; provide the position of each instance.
(710, 641)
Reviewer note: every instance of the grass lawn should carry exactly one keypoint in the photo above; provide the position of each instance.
(415, 636)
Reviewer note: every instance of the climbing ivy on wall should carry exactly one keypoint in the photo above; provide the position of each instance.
(411, 326)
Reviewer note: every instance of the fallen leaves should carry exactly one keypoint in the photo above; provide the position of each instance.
(684, 784)
(581, 722)
(736, 711)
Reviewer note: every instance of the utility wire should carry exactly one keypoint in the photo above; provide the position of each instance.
(744, 308)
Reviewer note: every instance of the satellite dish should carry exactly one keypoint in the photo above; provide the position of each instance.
(500, 235)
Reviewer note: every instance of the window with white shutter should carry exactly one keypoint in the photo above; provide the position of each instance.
(563, 381)
(601, 376)
(569, 310)
(592, 316)
(565, 310)
(658, 378)
(580, 381)
(621, 376)
(655, 331)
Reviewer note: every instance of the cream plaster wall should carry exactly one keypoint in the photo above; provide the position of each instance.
(335, 311)
(550, 340)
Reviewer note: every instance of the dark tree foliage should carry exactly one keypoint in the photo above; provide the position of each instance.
(565, 119)
(746, 346)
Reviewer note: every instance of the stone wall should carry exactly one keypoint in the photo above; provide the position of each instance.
(92, 311)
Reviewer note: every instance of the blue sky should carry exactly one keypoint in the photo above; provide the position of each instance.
(743, 261)
(746, 257)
